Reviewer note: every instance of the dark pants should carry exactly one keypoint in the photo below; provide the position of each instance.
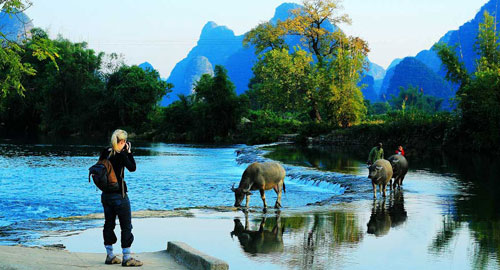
(114, 205)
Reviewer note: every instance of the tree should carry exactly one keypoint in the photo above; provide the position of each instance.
(266, 36)
(178, 119)
(377, 108)
(281, 80)
(217, 106)
(68, 92)
(58, 100)
(12, 67)
(131, 95)
(328, 85)
(479, 93)
(414, 99)
(76, 96)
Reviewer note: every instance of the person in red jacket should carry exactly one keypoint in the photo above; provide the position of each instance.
(400, 151)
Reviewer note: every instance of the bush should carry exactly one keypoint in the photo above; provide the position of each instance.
(266, 126)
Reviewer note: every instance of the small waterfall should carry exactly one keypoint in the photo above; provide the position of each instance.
(308, 178)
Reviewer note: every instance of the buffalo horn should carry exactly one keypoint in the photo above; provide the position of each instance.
(248, 189)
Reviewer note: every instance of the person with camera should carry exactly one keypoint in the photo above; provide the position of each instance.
(116, 203)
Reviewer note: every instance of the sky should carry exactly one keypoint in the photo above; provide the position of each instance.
(162, 32)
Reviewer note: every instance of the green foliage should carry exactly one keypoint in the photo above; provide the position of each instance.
(417, 129)
(479, 93)
(377, 108)
(67, 90)
(13, 6)
(211, 114)
(265, 126)
(74, 96)
(281, 80)
(456, 71)
(13, 68)
(413, 99)
(314, 129)
(320, 76)
(217, 106)
(131, 95)
(177, 121)
(422, 77)
(266, 36)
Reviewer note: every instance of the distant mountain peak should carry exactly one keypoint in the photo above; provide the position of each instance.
(146, 66)
(283, 11)
(211, 31)
(218, 45)
(15, 27)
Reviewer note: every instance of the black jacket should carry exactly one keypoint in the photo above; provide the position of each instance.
(120, 161)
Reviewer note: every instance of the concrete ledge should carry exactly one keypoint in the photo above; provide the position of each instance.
(193, 258)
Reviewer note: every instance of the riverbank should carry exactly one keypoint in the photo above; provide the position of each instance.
(46, 258)
(416, 133)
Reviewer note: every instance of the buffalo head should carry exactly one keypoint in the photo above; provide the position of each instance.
(374, 171)
(239, 194)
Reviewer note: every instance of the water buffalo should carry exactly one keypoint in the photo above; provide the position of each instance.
(260, 176)
(380, 173)
(399, 168)
(260, 241)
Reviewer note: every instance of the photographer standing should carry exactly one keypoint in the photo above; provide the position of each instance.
(117, 203)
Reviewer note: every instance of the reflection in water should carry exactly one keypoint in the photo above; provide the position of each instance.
(381, 220)
(298, 242)
(397, 210)
(322, 158)
(475, 208)
(261, 240)
(323, 236)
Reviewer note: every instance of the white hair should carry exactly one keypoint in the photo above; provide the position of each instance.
(118, 135)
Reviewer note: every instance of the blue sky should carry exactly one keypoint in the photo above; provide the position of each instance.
(163, 32)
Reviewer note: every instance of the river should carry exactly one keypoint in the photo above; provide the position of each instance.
(446, 215)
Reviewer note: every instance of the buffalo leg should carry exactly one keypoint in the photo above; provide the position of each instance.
(374, 190)
(261, 226)
(248, 201)
(263, 197)
(247, 224)
(384, 186)
(390, 183)
(278, 189)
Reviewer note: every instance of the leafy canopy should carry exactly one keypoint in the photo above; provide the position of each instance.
(12, 67)
(479, 93)
(319, 76)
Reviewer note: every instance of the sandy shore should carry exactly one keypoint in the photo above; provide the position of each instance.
(19, 257)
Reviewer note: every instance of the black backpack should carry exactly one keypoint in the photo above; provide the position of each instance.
(104, 176)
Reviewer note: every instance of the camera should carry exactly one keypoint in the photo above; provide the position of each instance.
(126, 147)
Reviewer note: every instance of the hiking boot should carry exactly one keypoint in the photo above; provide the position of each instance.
(114, 260)
(131, 262)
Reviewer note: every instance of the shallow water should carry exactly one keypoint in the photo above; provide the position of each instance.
(446, 216)
(40, 181)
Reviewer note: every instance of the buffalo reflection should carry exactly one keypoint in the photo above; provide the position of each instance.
(381, 220)
(261, 240)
